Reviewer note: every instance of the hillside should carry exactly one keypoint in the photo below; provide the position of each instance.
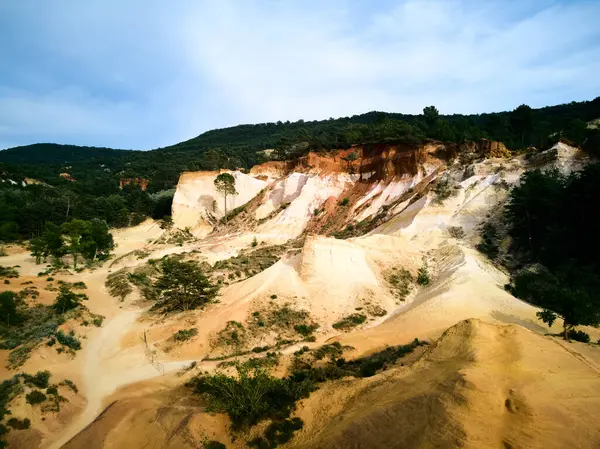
(323, 254)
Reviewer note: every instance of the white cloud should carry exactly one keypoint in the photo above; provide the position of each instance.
(143, 73)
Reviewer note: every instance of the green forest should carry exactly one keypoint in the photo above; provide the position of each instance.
(95, 193)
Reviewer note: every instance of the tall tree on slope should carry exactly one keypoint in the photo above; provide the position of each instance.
(225, 186)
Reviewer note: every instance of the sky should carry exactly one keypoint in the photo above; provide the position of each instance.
(142, 74)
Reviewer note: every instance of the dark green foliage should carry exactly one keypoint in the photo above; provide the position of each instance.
(68, 340)
(70, 384)
(332, 351)
(35, 397)
(489, 241)
(550, 223)
(118, 284)
(9, 272)
(96, 193)
(278, 432)
(8, 308)
(252, 396)
(345, 202)
(350, 321)
(225, 186)
(184, 334)
(183, 286)
(67, 300)
(8, 390)
(40, 379)
(213, 444)
(579, 336)
(444, 189)
(362, 367)
(52, 390)
(19, 424)
(306, 329)
(423, 274)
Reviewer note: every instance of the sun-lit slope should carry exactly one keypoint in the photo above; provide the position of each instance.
(196, 200)
(481, 386)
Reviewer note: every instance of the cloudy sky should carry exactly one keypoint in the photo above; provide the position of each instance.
(143, 73)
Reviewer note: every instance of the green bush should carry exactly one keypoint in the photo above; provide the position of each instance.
(252, 396)
(344, 202)
(305, 329)
(423, 274)
(213, 444)
(456, 232)
(279, 432)
(40, 379)
(579, 336)
(70, 384)
(254, 242)
(489, 241)
(19, 424)
(118, 284)
(35, 397)
(185, 334)
(350, 321)
(68, 340)
(401, 281)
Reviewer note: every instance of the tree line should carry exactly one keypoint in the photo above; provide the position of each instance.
(90, 240)
(552, 225)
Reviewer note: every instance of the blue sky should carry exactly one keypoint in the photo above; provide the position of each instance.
(142, 74)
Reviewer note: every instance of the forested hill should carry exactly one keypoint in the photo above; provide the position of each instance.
(83, 182)
(241, 146)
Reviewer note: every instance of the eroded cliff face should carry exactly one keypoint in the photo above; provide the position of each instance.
(197, 205)
(364, 178)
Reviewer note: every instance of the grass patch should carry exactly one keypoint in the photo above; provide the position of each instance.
(69, 340)
(184, 334)
(9, 272)
(350, 321)
(401, 282)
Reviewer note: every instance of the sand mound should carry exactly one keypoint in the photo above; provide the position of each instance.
(480, 386)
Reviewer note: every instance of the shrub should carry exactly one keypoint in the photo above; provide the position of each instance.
(279, 432)
(19, 424)
(305, 329)
(6, 281)
(344, 202)
(98, 321)
(68, 340)
(35, 397)
(40, 379)
(273, 296)
(443, 189)
(70, 384)
(350, 321)
(184, 334)
(489, 241)
(401, 281)
(456, 232)
(579, 336)
(213, 444)
(252, 396)
(254, 242)
(423, 274)
(52, 390)
(118, 285)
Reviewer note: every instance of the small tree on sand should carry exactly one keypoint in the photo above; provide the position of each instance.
(225, 186)
(183, 286)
